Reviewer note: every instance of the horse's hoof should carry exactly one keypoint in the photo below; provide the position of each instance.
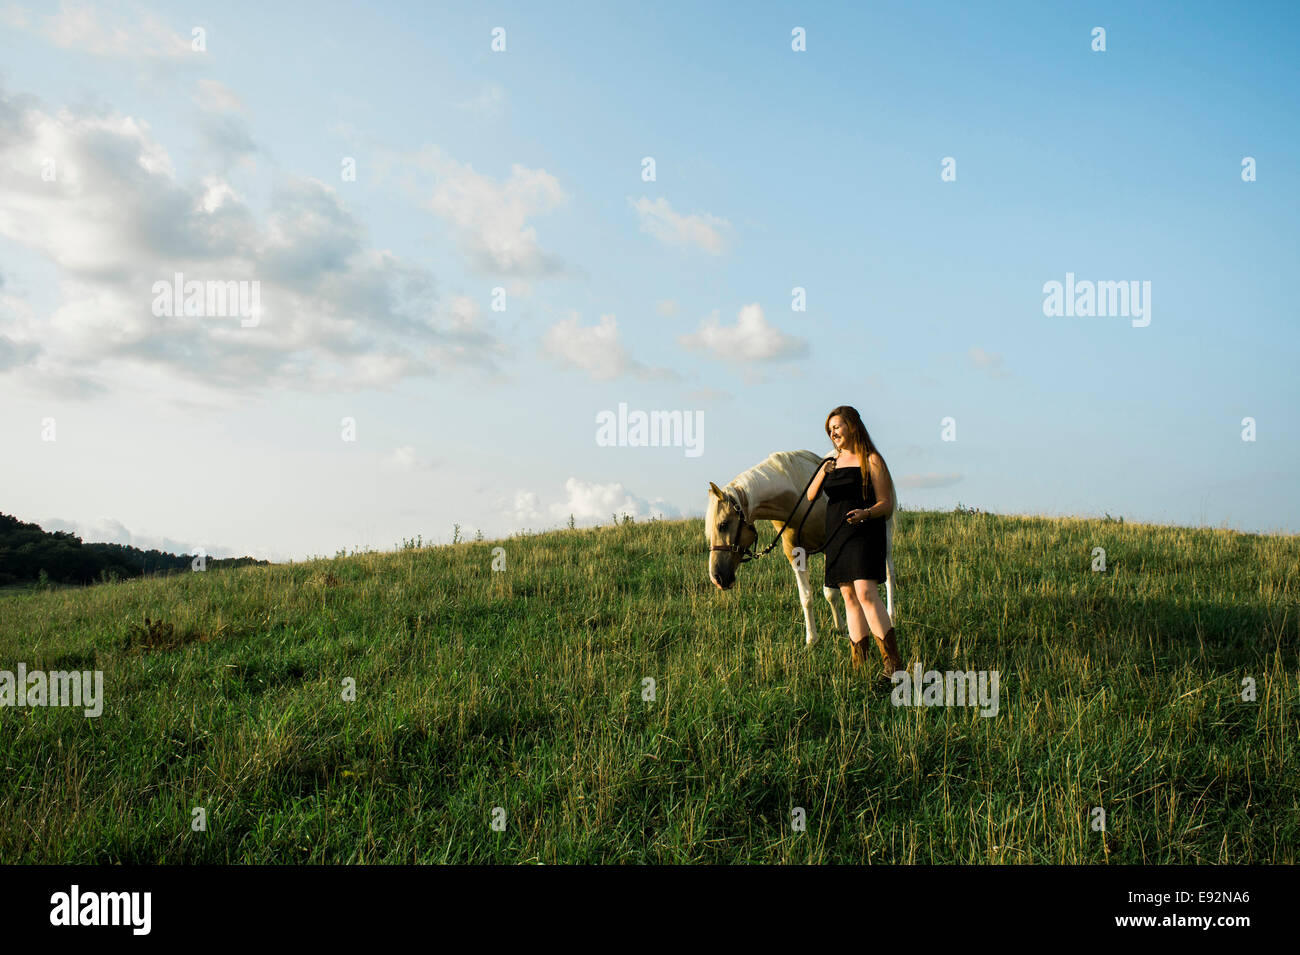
(810, 641)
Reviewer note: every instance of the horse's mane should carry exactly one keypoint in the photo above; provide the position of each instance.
(776, 472)
(780, 472)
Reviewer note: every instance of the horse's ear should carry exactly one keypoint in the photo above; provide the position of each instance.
(717, 492)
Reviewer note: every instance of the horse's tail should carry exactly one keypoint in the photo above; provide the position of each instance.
(889, 566)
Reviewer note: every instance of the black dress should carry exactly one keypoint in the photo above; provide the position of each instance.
(856, 551)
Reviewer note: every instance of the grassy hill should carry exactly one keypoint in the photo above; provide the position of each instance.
(522, 689)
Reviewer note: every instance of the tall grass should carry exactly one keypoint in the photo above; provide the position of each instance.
(523, 689)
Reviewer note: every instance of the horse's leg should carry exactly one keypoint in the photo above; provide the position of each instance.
(799, 564)
(829, 593)
(889, 568)
(816, 538)
(806, 601)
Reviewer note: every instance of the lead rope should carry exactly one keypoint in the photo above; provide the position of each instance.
(798, 534)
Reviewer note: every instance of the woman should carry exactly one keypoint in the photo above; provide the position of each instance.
(861, 496)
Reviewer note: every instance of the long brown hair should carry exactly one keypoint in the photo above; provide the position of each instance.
(857, 439)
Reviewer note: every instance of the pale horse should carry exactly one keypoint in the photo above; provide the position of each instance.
(769, 491)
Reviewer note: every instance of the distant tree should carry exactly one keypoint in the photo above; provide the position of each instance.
(27, 552)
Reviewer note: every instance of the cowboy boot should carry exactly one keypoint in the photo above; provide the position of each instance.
(859, 652)
(888, 645)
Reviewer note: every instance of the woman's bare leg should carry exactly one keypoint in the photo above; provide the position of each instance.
(882, 628)
(877, 617)
(853, 616)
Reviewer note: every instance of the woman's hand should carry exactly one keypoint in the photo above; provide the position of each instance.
(856, 516)
(816, 487)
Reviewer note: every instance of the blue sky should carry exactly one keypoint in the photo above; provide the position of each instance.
(522, 170)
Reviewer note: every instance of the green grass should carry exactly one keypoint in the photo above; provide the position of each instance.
(522, 689)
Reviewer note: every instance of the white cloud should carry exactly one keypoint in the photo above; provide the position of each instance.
(491, 218)
(223, 131)
(16, 313)
(596, 349)
(13, 354)
(751, 339)
(588, 502)
(86, 29)
(218, 97)
(463, 312)
(406, 460)
(526, 508)
(701, 230)
(928, 481)
(109, 530)
(989, 361)
(116, 219)
(593, 348)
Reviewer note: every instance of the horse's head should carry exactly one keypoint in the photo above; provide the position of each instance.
(729, 534)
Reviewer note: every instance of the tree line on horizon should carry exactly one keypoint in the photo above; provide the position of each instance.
(30, 554)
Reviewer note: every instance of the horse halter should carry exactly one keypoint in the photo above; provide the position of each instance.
(747, 552)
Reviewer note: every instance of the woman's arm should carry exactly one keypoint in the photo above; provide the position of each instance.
(816, 487)
(884, 485)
